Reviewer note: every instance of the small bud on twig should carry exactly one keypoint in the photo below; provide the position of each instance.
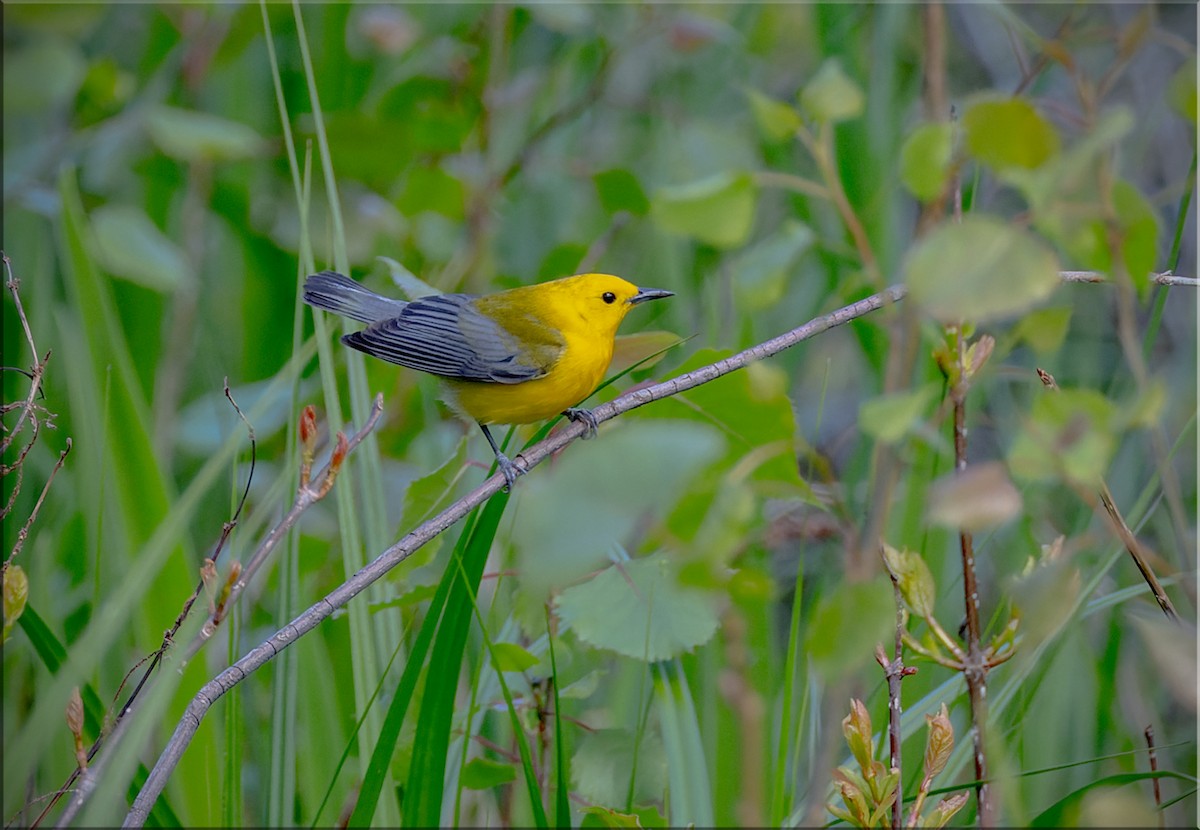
(308, 443)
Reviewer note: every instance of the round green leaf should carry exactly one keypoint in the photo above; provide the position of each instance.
(832, 96)
(483, 774)
(640, 610)
(718, 210)
(1181, 91)
(620, 190)
(980, 269)
(925, 160)
(1008, 133)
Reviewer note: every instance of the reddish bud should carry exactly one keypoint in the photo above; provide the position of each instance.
(308, 425)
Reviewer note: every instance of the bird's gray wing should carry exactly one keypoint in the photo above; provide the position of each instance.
(447, 335)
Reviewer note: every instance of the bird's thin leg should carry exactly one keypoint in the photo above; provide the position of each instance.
(587, 417)
(506, 466)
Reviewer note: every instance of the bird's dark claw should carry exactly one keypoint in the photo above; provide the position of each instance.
(508, 469)
(587, 417)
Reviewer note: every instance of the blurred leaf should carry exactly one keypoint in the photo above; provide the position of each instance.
(600, 767)
(630, 349)
(1181, 91)
(1068, 434)
(913, 578)
(607, 817)
(1008, 132)
(432, 188)
(483, 774)
(16, 593)
(979, 270)
(587, 503)
(776, 120)
(691, 801)
(619, 190)
(562, 261)
(832, 96)
(1044, 329)
(760, 272)
(925, 160)
(427, 115)
(1139, 234)
(974, 499)
(751, 408)
(130, 246)
(718, 210)
(849, 621)
(888, 418)
(42, 75)
(512, 657)
(638, 609)
(192, 136)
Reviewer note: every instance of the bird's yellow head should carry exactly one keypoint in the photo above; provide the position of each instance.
(598, 302)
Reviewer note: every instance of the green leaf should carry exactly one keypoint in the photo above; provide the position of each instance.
(600, 768)
(847, 624)
(619, 190)
(1008, 132)
(576, 511)
(760, 273)
(132, 247)
(42, 75)
(16, 593)
(1044, 329)
(432, 188)
(888, 418)
(511, 657)
(752, 409)
(1139, 234)
(199, 136)
(1065, 811)
(913, 578)
(483, 774)
(718, 210)
(832, 96)
(980, 269)
(925, 160)
(413, 287)
(1068, 435)
(639, 609)
(776, 120)
(1181, 91)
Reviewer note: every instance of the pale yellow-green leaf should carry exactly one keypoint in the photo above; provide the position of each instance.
(776, 120)
(1008, 132)
(512, 657)
(888, 418)
(925, 160)
(980, 269)
(718, 210)
(193, 136)
(832, 95)
(132, 247)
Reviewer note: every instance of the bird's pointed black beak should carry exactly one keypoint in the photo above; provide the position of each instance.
(645, 294)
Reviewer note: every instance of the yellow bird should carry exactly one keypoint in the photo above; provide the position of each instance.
(513, 357)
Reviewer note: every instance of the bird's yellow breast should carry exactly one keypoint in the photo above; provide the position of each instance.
(576, 375)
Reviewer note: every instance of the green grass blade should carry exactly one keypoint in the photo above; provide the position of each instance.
(426, 778)
(687, 770)
(562, 769)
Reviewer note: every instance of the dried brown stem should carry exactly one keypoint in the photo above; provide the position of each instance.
(1154, 768)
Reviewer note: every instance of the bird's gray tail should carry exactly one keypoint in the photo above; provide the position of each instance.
(335, 292)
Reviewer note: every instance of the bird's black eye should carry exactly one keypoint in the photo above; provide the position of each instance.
(609, 297)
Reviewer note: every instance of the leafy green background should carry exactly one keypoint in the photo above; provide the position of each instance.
(160, 230)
